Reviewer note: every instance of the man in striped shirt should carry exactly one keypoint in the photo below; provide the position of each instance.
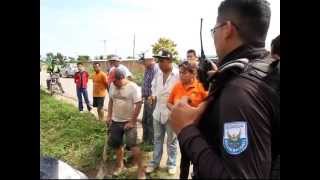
(151, 68)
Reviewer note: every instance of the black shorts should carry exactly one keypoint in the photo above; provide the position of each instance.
(98, 102)
(119, 136)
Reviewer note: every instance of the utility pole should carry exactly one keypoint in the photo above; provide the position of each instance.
(104, 47)
(134, 44)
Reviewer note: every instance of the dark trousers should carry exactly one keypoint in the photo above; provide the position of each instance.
(147, 122)
(83, 92)
(184, 165)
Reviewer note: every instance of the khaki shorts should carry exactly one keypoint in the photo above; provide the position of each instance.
(119, 136)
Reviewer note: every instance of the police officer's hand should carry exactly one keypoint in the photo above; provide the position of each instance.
(214, 69)
(183, 114)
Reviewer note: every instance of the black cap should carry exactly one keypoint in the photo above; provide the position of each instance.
(163, 54)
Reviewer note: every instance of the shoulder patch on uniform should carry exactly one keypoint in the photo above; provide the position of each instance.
(235, 137)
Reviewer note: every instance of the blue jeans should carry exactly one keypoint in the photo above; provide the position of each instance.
(159, 132)
(83, 92)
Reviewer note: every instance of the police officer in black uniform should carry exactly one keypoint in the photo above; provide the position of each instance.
(231, 135)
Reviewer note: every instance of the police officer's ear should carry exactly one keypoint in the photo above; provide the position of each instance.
(229, 30)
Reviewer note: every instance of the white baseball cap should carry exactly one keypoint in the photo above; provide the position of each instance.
(115, 58)
(148, 54)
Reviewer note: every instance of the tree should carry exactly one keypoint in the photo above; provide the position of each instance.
(42, 59)
(49, 61)
(72, 59)
(60, 59)
(50, 57)
(166, 44)
(130, 57)
(83, 58)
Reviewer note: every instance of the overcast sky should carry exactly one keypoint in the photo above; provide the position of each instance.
(78, 27)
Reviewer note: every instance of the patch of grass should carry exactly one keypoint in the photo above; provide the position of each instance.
(138, 78)
(75, 138)
(146, 147)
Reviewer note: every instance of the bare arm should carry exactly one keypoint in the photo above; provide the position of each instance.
(110, 106)
(105, 81)
(169, 105)
(136, 111)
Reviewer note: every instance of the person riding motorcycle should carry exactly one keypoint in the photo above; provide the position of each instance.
(54, 72)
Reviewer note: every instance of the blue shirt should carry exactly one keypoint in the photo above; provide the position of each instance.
(148, 77)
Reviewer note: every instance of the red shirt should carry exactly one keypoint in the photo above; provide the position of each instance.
(111, 76)
(81, 79)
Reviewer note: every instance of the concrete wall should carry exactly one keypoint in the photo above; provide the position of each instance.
(133, 66)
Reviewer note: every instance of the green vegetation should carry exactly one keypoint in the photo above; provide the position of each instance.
(83, 58)
(166, 44)
(75, 138)
(91, 72)
(138, 78)
(55, 59)
(79, 139)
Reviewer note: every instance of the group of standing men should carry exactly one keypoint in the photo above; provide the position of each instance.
(231, 132)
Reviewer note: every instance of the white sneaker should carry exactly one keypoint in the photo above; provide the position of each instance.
(150, 169)
(172, 171)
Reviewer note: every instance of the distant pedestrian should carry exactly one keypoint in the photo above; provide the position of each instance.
(81, 79)
(99, 89)
(151, 68)
(192, 57)
(115, 63)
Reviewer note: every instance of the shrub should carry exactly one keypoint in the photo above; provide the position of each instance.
(138, 78)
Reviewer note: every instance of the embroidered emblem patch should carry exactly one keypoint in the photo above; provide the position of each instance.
(235, 137)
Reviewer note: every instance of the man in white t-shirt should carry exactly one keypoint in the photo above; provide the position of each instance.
(124, 107)
(115, 63)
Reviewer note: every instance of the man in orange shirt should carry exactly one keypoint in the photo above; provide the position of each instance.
(187, 86)
(99, 89)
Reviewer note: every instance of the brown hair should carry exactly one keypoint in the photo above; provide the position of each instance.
(190, 67)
